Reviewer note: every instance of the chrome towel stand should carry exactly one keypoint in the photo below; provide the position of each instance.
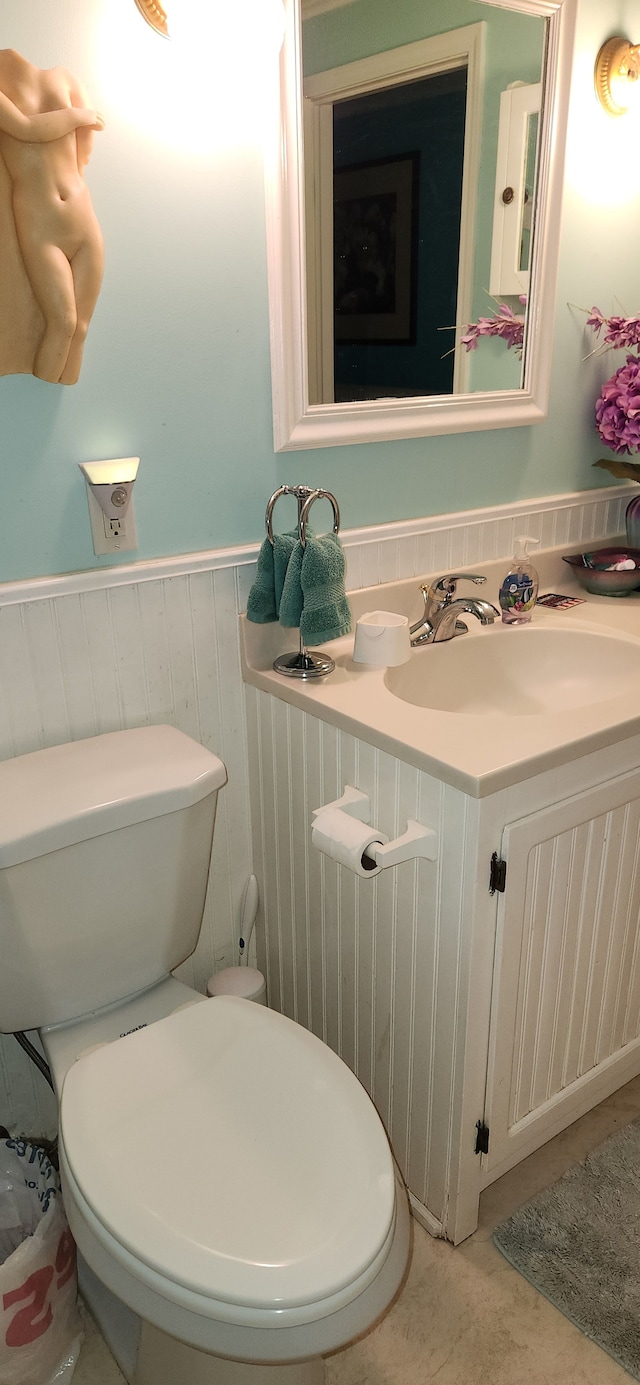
(300, 663)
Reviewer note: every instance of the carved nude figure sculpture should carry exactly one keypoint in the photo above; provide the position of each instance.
(51, 250)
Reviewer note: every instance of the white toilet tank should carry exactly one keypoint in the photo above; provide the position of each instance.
(105, 847)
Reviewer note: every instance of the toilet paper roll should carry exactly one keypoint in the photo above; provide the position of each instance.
(345, 840)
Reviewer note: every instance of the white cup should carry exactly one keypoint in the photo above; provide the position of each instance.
(382, 639)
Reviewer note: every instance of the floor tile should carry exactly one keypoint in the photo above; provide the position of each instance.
(96, 1365)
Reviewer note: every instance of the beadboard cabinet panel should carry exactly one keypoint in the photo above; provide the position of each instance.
(565, 1016)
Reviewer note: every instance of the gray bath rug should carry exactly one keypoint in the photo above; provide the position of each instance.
(578, 1243)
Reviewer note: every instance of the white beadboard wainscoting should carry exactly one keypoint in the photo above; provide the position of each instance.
(157, 641)
(366, 963)
(151, 651)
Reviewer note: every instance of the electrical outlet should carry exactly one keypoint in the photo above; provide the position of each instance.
(111, 535)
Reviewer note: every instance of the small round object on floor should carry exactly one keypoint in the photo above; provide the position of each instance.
(246, 982)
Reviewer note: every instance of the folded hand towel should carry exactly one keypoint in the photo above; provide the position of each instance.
(326, 613)
(263, 604)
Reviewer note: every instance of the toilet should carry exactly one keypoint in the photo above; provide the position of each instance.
(225, 1175)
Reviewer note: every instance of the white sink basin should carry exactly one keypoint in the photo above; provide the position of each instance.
(489, 709)
(519, 672)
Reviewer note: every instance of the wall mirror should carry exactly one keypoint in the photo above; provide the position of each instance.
(414, 184)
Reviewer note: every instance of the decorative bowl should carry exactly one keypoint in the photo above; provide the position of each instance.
(598, 570)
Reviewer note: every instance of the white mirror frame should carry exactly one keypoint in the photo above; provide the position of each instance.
(298, 424)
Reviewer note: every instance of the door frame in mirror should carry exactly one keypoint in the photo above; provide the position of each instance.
(298, 424)
(457, 49)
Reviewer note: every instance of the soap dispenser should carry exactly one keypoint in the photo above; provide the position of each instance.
(519, 587)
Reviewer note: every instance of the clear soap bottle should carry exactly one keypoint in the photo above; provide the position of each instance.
(519, 587)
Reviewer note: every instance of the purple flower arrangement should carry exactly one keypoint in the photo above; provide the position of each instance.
(503, 323)
(618, 406)
(618, 409)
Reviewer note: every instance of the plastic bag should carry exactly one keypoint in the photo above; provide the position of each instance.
(40, 1328)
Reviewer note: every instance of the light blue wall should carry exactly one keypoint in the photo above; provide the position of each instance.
(177, 368)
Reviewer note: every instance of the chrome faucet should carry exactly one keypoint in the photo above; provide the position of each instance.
(440, 616)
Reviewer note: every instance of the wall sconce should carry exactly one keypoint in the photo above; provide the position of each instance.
(154, 15)
(616, 75)
(272, 16)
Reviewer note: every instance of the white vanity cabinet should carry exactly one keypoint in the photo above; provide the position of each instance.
(565, 1010)
(459, 1010)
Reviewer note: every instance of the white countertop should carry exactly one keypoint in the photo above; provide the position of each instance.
(478, 754)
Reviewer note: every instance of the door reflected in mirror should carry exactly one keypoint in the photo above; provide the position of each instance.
(420, 180)
(393, 173)
(395, 204)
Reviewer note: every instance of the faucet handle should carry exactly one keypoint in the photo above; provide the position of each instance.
(442, 591)
(449, 582)
(436, 596)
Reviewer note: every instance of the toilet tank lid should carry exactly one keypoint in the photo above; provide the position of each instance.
(69, 793)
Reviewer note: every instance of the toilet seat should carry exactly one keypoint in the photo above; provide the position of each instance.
(289, 1334)
(232, 1153)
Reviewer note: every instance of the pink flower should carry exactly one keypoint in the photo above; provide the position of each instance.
(618, 409)
(621, 332)
(504, 323)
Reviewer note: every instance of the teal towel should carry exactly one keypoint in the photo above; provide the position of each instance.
(291, 603)
(263, 604)
(326, 613)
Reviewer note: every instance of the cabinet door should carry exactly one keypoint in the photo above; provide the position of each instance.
(565, 1014)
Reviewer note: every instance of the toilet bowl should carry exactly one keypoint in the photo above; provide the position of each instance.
(225, 1175)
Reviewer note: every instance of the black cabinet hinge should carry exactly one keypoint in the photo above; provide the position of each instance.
(482, 1138)
(497, 875)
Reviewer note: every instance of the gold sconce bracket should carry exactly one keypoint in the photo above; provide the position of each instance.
(617, 67)
(154, 15)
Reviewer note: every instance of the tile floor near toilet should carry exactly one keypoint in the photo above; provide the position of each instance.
(464, 1316)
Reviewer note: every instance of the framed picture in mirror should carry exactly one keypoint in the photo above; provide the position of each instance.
(374, 242)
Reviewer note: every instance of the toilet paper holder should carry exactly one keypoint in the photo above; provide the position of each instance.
(416, 841)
